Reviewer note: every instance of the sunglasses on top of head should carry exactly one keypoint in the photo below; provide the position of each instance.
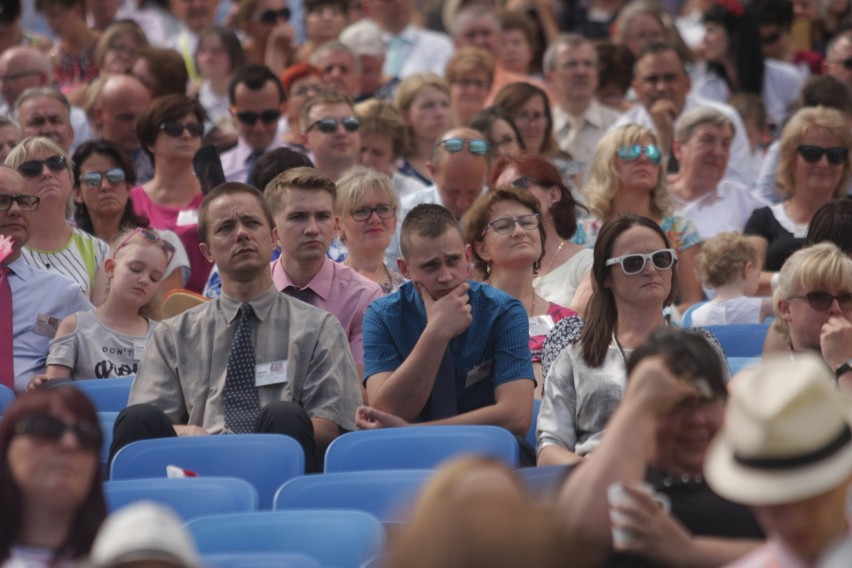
(33, 168)
(631, 152)
(813, 154)
(634, 263)
(455, 145)
(175, 130)
(151, 237)
(329, 125)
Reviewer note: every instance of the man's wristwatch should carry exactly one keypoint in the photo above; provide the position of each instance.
(843, 369)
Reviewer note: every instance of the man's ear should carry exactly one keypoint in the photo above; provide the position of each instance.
(303, 137)
(205, 250)
(275, 234)
(403, 267)
(677, 149)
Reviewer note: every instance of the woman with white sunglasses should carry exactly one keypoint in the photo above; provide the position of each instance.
(627, 176)
(634, 277)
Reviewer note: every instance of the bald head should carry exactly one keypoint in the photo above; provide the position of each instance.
(14, 222)
(459, 174)
(120, 102)
(21, 68)
(838, 53)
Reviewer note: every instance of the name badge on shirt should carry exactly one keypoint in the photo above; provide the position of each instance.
(139, 348)
(270, 373)
(481, 371)
(540, 325)
(187, 217)
(46, 325)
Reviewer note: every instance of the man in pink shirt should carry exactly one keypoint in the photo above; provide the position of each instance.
(302, 201)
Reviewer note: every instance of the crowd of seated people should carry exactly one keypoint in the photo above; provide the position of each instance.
(392, 212)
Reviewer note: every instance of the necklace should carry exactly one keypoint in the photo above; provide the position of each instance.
(556, 254)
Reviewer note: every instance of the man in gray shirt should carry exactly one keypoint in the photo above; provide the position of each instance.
(252, 360)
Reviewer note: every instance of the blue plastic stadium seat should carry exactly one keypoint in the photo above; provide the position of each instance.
(533, 423)
(189, 497)
(267, 560)
(264, 460)
(109, 395)
(107, 420)
(740, 339)
(417, 447)
(7, 395)
(686, 319)
(335, 538)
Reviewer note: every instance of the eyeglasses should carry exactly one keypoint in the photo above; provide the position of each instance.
(845, 63)
(175, 130)
(269, 17)
(93, 180)
(266, 117)
(631, 153)
(21, 75)
(364, 213)
(51, 429)
(813, 154)
(329, 125)
(507, 224)
(149, 236)
(455, 145)
(821, 301)
(33, 168)
(662, 259)
(25, 202)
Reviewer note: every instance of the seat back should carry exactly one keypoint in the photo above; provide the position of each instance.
(335, 538)
(189, 497)
(7, 395)
(264, 460)
(107, 420)
(179, 300)
(686, 319)
(417, 447)
(268, 560)
(740, 339)
(109, 395)
(387, 495)
(533, 423)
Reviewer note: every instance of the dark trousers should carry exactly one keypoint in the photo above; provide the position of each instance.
(145, 422)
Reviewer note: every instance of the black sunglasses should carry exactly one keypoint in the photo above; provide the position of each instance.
(813, 154)
(821, 301)
(51, 429)
(27, 203)
(845, 63)
(175, 130)
(33, 168)
(329, 125)
(266, 117)
(769, 39)
(269, 17)
(364, 213)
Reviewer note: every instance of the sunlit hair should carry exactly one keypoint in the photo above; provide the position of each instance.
(654, 9)
(604, 181)
(168, 108)
(153, 310)
(469, 60)
(114, 31)
(322, 98)
(407, 91)
(544, 173)
(356, 187)
(427, 221)
(382, 118)
(34, 145)
(815, 120)
(476, 220)
(723, 257)
(689, 121)
(308, 179)
(91, 512)
(602, 311)
(821, 267)
(515, 95)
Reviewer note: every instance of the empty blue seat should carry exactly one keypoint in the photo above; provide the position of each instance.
(107, 420)
(188, 497)
(740, 339)
(534, 422)
(7, 395)
(109, 395)
(417, 447)
(264, 460)
(386, 494)
(268, 560)
(336, 538)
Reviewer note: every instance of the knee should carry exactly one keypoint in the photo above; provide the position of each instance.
(143, 418)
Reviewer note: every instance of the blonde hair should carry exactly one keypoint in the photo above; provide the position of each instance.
(820, 120)
(723, 256)
(38, 145)
(407, 92)
(605, 181)
(297, 178)
(382, 118)
(469, 60)
(153, 310)
(357, 185)
(821, 266)
(658, 12)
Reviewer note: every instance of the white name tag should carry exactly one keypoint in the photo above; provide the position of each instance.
(270, 373)
(187, 217)
(478, 373)
(139, 348)
(540, 325)
(46, 325)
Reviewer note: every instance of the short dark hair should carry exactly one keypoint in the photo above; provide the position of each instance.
(254, 77)
(427, 220)
(827, 91)
(324, 97)
(658, 49)
(311, 5)
(230, 188)
(832, 223)
(105, 148)
(10, 10)
(169, 68)
(773, 12)
(168, 108)
(275, 162)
